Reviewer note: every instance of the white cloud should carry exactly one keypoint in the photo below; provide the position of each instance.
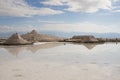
(54, 2)
(4, 29)
(80, 27)
(21, 8)
(88, 6)
(116, 11)
(50, 22)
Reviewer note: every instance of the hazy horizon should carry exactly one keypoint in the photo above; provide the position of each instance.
(65, 34)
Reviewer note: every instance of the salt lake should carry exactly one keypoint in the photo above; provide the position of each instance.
(60, 61)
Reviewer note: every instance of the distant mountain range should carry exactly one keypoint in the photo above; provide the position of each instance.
(69, 34)
(98, 35)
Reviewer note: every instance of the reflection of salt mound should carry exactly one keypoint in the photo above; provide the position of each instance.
(14, 50)
(15, 39)
(90, 46)
(35, 48)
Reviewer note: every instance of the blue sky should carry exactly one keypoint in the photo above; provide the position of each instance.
(101, 16)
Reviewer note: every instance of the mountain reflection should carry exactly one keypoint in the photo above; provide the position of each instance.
(89, 46)
(15, 50)
(35, 48)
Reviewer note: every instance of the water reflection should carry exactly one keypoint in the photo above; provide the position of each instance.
(15, 50)
(35, 48)
(89, 45)
(60, 61)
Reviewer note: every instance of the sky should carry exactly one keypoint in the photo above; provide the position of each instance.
(95, 16)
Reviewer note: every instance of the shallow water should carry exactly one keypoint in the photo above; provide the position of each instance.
(60, 61)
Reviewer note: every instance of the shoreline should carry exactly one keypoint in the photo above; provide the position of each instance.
(40, 43)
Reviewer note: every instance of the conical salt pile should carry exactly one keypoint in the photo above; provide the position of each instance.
(33, 32)
(86, 38)
(34, 36)
(16, 39)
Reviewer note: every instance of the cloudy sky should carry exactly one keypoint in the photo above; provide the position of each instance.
(99, 16)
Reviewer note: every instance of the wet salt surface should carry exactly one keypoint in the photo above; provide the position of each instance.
(60, 61)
